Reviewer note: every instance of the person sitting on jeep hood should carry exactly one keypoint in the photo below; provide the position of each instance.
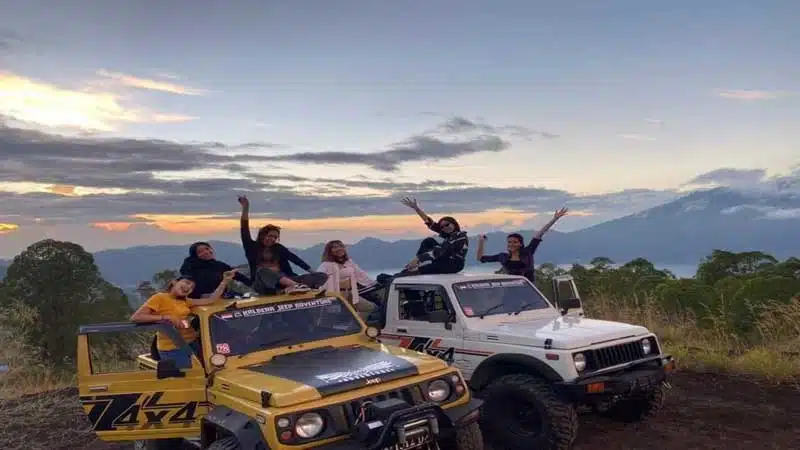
(434, 257)
(518, 260)
(267, 237)
(174, 305)
(206, 271)
(269, 279)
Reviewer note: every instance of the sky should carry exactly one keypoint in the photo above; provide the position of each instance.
(137, 123)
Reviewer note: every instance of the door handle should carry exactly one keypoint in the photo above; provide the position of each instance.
(402, 330)
(98, 388)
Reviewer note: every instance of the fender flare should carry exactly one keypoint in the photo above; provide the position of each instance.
(500, 363)
(232, 423)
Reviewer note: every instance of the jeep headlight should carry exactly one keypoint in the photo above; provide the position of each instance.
(646, 346)
(309, 425)
(580, 362)
(438, 390)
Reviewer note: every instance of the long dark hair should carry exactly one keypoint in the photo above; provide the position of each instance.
(456, 226)
(327, 252)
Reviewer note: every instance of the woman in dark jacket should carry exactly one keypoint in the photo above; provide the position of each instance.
(518, 260)
(267, 237)
(206, 271)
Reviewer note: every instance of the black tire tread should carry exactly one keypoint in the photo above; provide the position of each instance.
(226, 443)
(562, 415)
(640, 407)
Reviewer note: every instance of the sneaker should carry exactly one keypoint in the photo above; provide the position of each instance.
(297, 289)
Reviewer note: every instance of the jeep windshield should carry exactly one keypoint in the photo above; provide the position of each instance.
(491, 297)
(251, 329)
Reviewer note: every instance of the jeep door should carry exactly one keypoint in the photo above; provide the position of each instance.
(126, 399)
(421, 317)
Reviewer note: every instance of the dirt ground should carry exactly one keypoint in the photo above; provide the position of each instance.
(704, 411)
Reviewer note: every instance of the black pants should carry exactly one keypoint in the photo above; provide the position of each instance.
(268, 282)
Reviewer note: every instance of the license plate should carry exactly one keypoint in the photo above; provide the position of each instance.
(412, 443)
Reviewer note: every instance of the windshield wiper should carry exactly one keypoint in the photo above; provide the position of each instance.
(268, 344)
(491, 309)
(522, 308)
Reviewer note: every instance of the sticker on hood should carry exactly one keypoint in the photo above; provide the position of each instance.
(333, 370)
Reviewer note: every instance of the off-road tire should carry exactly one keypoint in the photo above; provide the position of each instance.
(559, 420)
(469, 437)
(226, 443)
(638, 407)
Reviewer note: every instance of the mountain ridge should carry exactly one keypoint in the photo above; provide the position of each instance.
(682, 231)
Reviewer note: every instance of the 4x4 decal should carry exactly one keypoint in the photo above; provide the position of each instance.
(107, 412)
(432, 346)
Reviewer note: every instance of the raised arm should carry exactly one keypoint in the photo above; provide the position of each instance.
(217, 294)
(244, 225)
(558, 214)
(481, 243)
(412, 203)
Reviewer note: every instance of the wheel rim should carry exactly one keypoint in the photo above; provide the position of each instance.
(519, 416)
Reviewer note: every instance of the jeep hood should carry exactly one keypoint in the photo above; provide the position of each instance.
(311, 375)
(564, 333)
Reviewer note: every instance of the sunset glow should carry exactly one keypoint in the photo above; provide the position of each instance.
(31, 101)
(8, 228)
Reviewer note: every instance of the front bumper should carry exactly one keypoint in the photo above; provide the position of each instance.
(448, 422)
(638, 377)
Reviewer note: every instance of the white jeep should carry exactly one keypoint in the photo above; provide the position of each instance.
(533, 362)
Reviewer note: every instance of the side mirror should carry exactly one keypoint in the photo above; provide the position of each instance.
(569, 303)
(167, 368)
(441, 316)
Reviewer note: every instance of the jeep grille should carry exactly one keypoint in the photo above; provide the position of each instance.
(618, 354)
(410, 394)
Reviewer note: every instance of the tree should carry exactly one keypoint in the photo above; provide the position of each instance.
(162, 279)
(61, 284)
(722, 263)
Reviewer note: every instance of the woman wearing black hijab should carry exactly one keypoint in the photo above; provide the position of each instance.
(206, 271)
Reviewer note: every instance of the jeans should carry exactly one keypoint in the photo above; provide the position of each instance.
(182, 360)
(267, 281)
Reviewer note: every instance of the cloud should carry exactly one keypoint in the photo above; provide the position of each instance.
(752, 95)
(67, 179)
(35, 103)
(456, 136)
(150, 84)
(636, 137)
(727, 176)
(9, 41)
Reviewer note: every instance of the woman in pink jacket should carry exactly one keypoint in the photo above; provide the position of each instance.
(345, 277)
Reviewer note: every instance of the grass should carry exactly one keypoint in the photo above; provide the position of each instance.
(772, 354)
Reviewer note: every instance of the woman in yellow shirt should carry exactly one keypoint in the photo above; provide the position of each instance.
(175, 306)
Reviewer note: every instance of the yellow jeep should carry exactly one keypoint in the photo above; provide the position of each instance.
(283, 372)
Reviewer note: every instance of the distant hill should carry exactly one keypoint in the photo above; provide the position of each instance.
(680, 232)
(3, 268)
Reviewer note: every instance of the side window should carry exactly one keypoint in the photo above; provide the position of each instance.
(118, 351)
(418, 302)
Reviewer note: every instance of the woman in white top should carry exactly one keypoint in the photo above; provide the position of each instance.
(344, 276)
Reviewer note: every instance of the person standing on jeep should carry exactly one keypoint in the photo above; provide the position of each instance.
(268, 237)
(518, 259)
(174, 305)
